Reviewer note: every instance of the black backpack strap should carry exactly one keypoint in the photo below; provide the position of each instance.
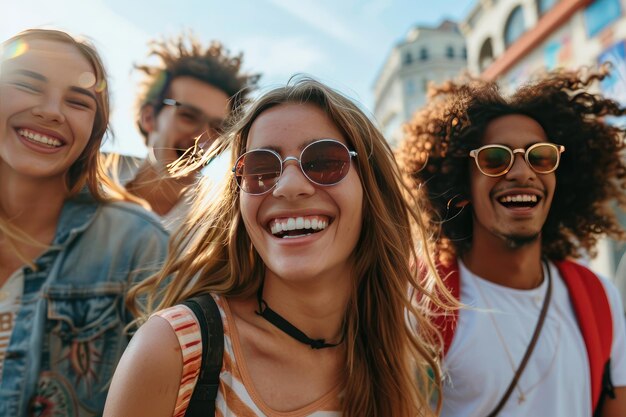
(202, 402)
(608, 390)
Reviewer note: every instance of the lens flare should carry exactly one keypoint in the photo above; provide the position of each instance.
(14, 49)
(159, 82)
(86, 80)
(100, 87)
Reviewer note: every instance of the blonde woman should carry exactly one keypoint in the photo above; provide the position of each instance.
(69, 245)
(308, 253)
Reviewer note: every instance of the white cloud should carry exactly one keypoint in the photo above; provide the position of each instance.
(373, 8)
(280, 57)
(314, 14)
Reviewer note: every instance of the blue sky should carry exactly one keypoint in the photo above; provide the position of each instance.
(343, 43)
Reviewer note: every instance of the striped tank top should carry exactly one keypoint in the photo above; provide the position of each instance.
(236, 395)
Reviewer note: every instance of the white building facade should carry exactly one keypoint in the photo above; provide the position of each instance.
(512, 40)
(425, 55)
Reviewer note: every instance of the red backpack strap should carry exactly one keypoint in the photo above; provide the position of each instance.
(446, 322)
(593, 312)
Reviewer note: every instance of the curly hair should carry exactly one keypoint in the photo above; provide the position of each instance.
(438, 140)
(185, 56)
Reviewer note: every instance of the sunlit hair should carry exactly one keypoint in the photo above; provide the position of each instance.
(591, 176)
(184, 56)
(87, 170)
(214, 253)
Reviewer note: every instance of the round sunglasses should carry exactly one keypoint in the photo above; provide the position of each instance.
(497, 160)
(323, 162)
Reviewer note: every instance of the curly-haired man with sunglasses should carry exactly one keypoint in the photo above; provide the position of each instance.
(186, 102)
(516, 187)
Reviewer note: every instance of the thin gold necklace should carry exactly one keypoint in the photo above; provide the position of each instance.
(521, 393)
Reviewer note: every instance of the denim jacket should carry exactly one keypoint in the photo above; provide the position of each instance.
(69, 331)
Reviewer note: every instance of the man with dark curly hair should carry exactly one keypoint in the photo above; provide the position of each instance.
(515, 187)
(186, 102)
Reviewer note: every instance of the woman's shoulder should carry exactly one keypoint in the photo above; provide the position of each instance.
(180, 318)
(84, 205)
(156, 332)
(111, 226)
(147, 379)
(128, 227)
(131, 213)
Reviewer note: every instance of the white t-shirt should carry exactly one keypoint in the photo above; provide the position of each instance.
(10, 302)
(484, 355)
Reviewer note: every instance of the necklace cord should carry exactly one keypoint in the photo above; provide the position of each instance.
(281, 323)
(531, 345)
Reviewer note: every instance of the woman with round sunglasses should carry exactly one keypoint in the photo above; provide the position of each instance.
(519, 186)
(71, 241)
(308, 253)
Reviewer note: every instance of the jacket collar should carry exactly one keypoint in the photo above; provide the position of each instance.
(77, 214)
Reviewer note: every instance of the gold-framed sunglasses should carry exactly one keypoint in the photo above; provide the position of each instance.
(497, 160)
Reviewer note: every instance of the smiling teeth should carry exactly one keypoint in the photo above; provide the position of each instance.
(298, 223)
(521, 198)
(39, 138)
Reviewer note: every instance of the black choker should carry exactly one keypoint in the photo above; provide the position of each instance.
(279, 321)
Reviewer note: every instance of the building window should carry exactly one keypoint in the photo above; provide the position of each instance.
(450, 52)
(423, 54)
(485, 57)
(425, 84)
(600, 14)
(408, 59)
(409, 88)
(544, 5)
(515, 26)
(464, 53)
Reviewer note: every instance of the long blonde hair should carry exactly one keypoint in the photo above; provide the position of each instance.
(213, 253)
(87, 170)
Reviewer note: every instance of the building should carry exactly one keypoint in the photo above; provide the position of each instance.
(425, 55)
(510, 40)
